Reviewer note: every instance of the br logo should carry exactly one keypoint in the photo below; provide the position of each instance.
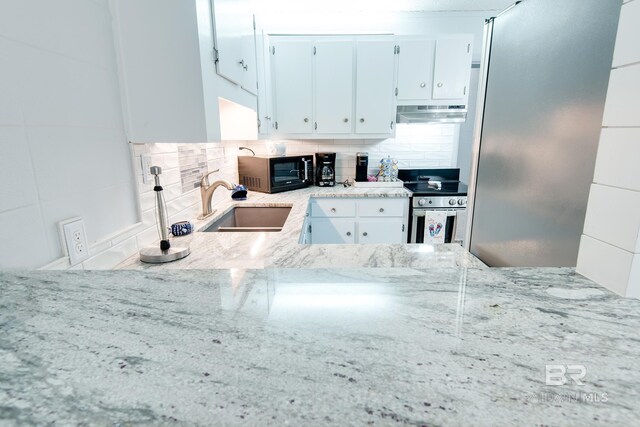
(561, 374)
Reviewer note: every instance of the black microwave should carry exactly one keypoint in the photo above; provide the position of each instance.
(275, 174)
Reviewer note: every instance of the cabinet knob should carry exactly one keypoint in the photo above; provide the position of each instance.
(306, 120)
(361, 120)
(439, 84)
(346, 120)
(333, 210)
(364, 234)
(381, 210)
(348, 233)
(423, 84)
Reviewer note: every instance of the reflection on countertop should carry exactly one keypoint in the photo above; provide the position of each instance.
(283, 250)
(439, 346)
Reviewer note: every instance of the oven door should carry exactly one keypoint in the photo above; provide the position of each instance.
(419, 226)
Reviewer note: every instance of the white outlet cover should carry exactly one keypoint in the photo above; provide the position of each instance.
(74, 239)
(145, 163)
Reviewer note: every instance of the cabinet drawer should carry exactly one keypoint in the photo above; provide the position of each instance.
(333, 208)
(381, 207)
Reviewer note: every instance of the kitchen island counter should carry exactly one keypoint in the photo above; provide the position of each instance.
(440, 346)
(283, 250)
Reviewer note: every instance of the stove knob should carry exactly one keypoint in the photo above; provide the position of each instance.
(461, 202)
(452, 202)
(422, 202)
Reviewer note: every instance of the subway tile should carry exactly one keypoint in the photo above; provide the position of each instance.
(149, 217)
(605, 264)
(633, 290)
(57, 26)
(438, 155)
(67, 92)
(147, 237)
(622, 107)
(112, 256)
(618, 157)
(18, 187)
(163, 147)
(60, 154)
(104, 211)
(628, 37)
(612, 216)
(126, 234)
(25, 230)
(12, 99)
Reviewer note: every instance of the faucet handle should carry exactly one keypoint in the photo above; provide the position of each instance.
(204, 182)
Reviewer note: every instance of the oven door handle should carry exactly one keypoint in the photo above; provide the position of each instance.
(423, 212)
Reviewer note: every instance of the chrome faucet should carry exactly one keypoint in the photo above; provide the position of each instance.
(206, 192)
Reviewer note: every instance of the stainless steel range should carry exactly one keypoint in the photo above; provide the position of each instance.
(438, 205)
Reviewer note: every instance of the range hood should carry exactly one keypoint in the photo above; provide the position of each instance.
(431, 114)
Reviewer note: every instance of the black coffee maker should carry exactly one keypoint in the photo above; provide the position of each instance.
(325, 169)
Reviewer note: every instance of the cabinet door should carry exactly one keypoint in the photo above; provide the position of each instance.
(333, 231)
(249, 56)
(415, 69)
(264, 76)
(292, 68)
(381, 231)
(334, 86)
(375, 87)
(452, 69)
(232, 25)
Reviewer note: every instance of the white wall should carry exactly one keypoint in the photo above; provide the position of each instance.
(62, 144)
(610, 245)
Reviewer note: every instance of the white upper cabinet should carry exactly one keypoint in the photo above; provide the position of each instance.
(292, 77)
(434, 70)
(375, 86)
(415, 69)
(333, 87)
(169, 87)
(265, 121)
(235, 42)
(452, 69)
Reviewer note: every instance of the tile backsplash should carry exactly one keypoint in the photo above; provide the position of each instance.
(182, 167)
(415, 146)
(192, 159)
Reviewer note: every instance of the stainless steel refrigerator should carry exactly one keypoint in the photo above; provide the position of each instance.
(545, 74)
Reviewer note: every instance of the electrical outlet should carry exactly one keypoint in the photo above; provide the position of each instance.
(74, 240)
(145, 163)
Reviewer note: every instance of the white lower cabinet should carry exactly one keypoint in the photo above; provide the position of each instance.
(381, 230)
(333, 230)
(357, 220)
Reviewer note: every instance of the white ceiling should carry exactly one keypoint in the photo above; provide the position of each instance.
(383, 5)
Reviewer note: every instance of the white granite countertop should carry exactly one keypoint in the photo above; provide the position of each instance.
(440, 346)
(283, 250)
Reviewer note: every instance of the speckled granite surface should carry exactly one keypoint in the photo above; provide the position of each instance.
(443, 346)
(282, 250)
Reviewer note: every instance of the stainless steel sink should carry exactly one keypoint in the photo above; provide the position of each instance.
(251, 219)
